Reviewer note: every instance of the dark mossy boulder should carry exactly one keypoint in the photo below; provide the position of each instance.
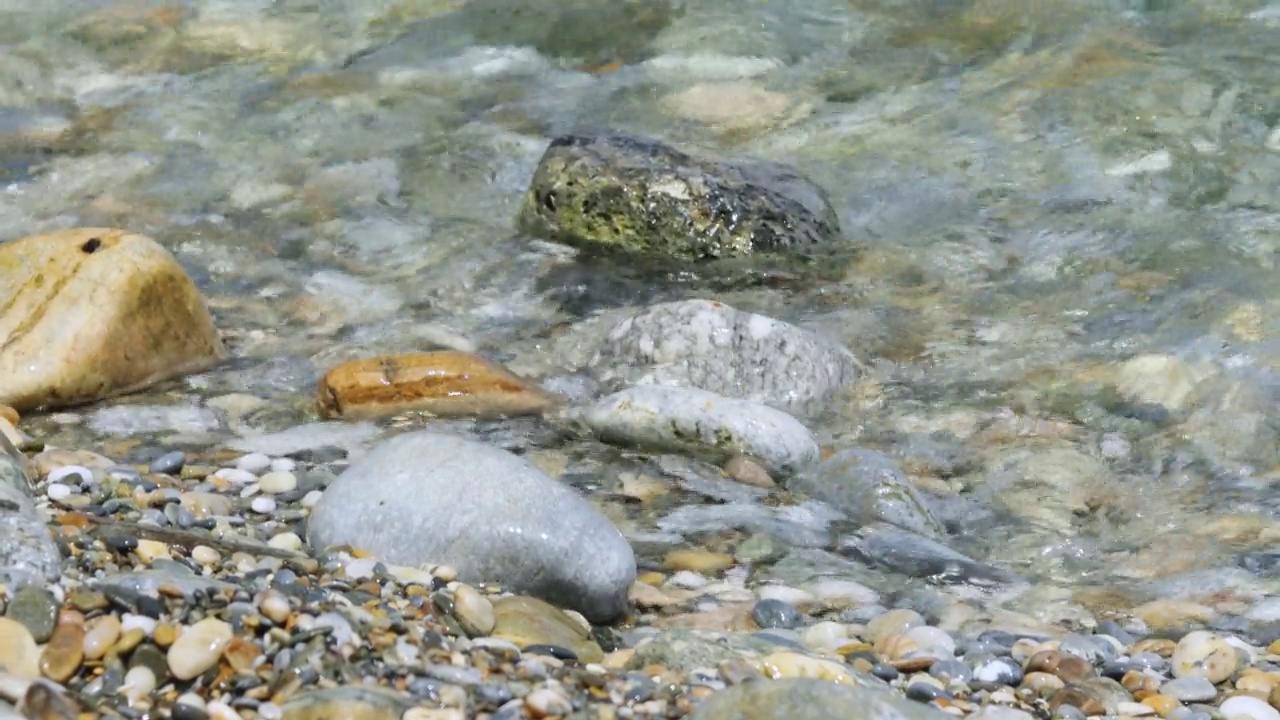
(641, 198)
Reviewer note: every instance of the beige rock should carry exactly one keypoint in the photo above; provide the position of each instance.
(446, 383)
(93, 312)
(19, 654)
(735, 105)
(529, 621)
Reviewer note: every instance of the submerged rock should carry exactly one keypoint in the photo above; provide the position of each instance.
(426, 497)
(615, 193)
(868, 486)
(905, 552)
(812, 699)
(93, 312)
(701, 423)
(718, 348)
(28, 554)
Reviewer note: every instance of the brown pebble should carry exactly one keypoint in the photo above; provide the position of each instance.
(129, 640)
(1162, 704)
(748, 472)
(1077, 698)
(1273, 699)
(164, 635)
(1073, 667)
(1045, 661)
(64, 652)
(698, 560)
(1042, 684)
(1158, 646)
(1135, 681)
(241, 654)
(447, 383)
(8, 413)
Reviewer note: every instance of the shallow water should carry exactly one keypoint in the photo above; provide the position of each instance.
(1042, 192)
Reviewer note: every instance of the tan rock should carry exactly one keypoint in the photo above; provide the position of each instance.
(528, 621)
(446, 383)
(734, 105)
(8, 414)
(90, 313)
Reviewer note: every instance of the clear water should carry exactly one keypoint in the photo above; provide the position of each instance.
(1044, 191)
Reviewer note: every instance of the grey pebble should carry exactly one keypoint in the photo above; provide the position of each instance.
(1069, 712)
(456, 675)
(951, 671)
(771, 613)
(998, 671)
(1112, 628)
(36, 609)
(1189, 689)
(885, 671)
(169, 463)
(1149, 661)
(925, 692)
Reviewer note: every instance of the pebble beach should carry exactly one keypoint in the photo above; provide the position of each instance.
(430, 360)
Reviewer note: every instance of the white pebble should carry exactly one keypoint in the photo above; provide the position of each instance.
(274, 605)
(129, 621)
(283, 465)
(250, 490)
(219, 710)
(270, 711)
(547, 701)
(84, 474)
(198, 648)
(138, 684)
(825, 635)
(843, 593)
(235, 476)
(687, 579)
(254, 462)
(263, 505)
(310, 499)
(190, 700)
(790, 595)
(205, 555)
(274, 483)
(1249, 708)
(934, 641)
(1134, 709)
(286, 541)
(57, 491)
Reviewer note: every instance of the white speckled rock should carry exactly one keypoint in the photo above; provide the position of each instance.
(426, 497)
(712, 346)
(697, 421)
(1204, 654)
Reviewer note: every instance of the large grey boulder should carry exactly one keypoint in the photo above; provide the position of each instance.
(715, 347)
(810, 699)
(701, 423)
(426, 497)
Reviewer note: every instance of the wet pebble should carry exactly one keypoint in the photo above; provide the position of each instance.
(198, 648)
(473, 610)
(776, 614)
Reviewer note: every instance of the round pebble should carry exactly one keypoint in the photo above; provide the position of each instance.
(770, 614)
(1248, 708)
(286, 541)
(205, 555)
(169, 463)
(893, 622)
(274, 483)
(1203, 654)
(198, 648)
(263, 505)
(56, 491)
(253, 463)
(235, 476)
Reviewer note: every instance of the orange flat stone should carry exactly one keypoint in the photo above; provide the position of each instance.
(445, 383)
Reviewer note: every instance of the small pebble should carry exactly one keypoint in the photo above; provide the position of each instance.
(253, 463)
(473, 611)
(286, 541)
(274, 483)
(56, 491)
(263, 505)
(198, 648)
(771, 614)
(235, 476)
(1249, 708)
(205, 555)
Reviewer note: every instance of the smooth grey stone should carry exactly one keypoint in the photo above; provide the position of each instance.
(912, 554)
(1189, 689)
(951, 670)
(924, 692)
(146, 583)
(701, 423)
(998, 671)
(808, 699)
(714, 347)
(869, 487)
(169, 463)
(771, 613)
(426, 497)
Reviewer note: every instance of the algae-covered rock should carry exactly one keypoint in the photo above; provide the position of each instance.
(633, 195)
